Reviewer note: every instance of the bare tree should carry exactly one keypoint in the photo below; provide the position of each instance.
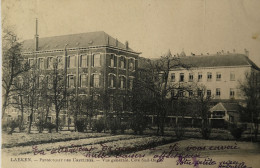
(79, 106)
(31, 94)
(158, 82)
(202, 103)
(250, 88)
(12, 65)
(58, 91)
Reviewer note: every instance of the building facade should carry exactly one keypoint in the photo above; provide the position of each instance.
(94, 64)
(218, 76)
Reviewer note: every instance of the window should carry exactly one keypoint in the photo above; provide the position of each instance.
(96, 60)
(71, 62)
(122, 82)
(49, 81)
(49, 62)
(181, 77)
(20, 81)
(122, 63)
(41, 81)
(172, 93)
(218, 92)
(83, 61)
(59, 61)
(199, 93)
(190, 93)
(112, 60)
(112, 79)
(232, 93)
(111, 104)
(31, 62)
(96, 80)
(48, 119)
(173, 77)
(180, 93)
(131, 66)
(83, 80)
(209, 76)
(208, 93)
(232, 76)
(41, 63)
(71, 81)
(190, 77)
(218, 77)
(131, 82)
(200, 76)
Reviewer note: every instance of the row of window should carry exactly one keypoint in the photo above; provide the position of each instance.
(208, 93)
(122, 62)
(200, 77)
(83, 62)
(95, 81)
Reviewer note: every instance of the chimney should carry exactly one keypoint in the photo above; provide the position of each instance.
(246, 52)
(36, 37)
(116, 43)
(126, 45)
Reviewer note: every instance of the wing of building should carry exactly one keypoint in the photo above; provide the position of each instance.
(94, 64)
(220, 74)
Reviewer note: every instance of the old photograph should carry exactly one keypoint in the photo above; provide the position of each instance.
(130, 83)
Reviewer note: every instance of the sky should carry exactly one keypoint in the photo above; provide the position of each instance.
(150, 26)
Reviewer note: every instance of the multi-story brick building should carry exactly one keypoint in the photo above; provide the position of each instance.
(90, 61)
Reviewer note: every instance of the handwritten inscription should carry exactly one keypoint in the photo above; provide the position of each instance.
(189, 155)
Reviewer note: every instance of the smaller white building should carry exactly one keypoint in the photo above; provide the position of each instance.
(220, 75)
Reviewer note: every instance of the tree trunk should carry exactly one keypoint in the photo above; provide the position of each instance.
(21, 121)
(30, 122)
(256, 130)
(57, 121)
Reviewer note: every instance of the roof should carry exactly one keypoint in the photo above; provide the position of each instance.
(83, 40)
(225, 107)
(218, 60)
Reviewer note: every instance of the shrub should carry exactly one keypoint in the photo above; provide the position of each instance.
(50, 126)
(179, 131)
(98, 125)
(139, 123)
(113, 127)
(13, 124)
(236, 131)
(61, 124)
(205, 132)
(123, 127)
(81, 124)
(5, 126)
(40, 125)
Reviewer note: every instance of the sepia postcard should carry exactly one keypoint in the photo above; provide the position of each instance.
(130, 83)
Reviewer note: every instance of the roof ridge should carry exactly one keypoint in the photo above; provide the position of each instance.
(69, 35)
